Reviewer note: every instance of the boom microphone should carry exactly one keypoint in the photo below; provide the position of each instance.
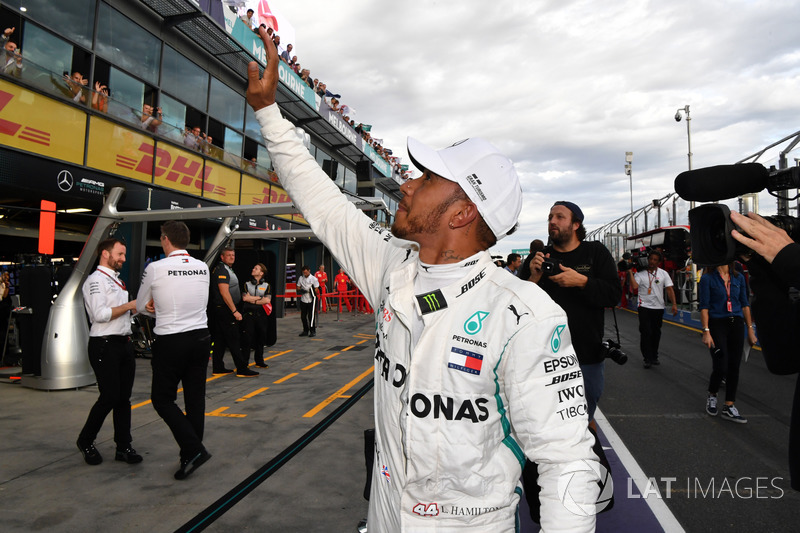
(721, 182)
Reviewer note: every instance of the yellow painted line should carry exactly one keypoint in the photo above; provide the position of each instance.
(312, 365)
(331, 356)
(254, 393)
(345, 349)
(276, 355)
(285, 378)
(140, 404)
(338, 394)
(362, 342)
(218, 412)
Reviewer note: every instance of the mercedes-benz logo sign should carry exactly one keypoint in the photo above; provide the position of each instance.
(65, 180)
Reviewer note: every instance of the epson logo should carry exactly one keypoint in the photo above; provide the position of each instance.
(564, 361)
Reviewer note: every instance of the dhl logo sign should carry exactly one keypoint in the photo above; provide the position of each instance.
(27, 119)
(11, 128)
(127, 152)
(181, 171)
(271, 196)
(257, 192)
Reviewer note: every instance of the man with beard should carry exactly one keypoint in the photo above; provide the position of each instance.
(226, 298)
(583, 282)
(109, 310)
(464, 352)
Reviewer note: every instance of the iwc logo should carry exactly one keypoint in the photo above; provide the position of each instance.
(65, 180)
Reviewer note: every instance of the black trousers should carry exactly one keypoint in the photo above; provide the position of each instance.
(308, 314)
(650, 332)
(227, 335)
(254, 335)
(182, 358)
(726, 355)
(114, 367)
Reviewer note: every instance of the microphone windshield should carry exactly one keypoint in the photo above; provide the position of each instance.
(721, 182)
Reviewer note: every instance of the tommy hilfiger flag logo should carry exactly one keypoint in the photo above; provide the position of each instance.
(465, 361)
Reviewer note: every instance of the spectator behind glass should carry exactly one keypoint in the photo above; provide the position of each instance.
(76, 84)
(12, 64)
(151, 119)
(193, 138)
(100, 97)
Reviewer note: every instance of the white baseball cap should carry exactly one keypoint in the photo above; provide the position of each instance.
(486, 176)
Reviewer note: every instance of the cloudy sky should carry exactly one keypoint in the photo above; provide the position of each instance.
(565, 88)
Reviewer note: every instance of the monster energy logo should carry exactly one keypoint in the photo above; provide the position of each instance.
(432, 301)
(555, 340)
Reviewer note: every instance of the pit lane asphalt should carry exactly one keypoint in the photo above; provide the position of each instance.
(658, 414)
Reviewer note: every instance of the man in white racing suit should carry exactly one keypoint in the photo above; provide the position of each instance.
(474, 368)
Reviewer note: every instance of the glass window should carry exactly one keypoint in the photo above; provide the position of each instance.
(127, 95)
(251, 127)
(182, 77)
(350, 182)
(233, 142)
(263, 158)
(73, 18)
(174, 118)
(127, 45)
(48, 51)
(226, 105)
(321, 156)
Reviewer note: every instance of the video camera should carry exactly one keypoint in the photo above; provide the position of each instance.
(710, 224)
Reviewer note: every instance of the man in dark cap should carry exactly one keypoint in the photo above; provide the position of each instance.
(583, 281)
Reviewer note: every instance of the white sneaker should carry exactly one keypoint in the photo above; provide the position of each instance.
(711, 405)
(730, 412)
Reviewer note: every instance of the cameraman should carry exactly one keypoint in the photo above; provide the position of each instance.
(651, 284)
(584, 283)
(775, 314)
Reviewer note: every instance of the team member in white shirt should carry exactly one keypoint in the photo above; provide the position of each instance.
(175, 291)
(308, 289)
(114, 366)
(651, 284)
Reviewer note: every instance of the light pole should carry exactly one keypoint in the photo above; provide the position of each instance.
(678, 117)
(629, 172)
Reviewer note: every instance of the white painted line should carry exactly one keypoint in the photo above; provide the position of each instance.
(657, 505)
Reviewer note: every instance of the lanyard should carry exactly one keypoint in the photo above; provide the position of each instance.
(120, 283)
(728, 291)
(650, 281)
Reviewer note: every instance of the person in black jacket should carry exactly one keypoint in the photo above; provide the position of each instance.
(583, 282)
(776, 314)
(255, 302)
(581, 277)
